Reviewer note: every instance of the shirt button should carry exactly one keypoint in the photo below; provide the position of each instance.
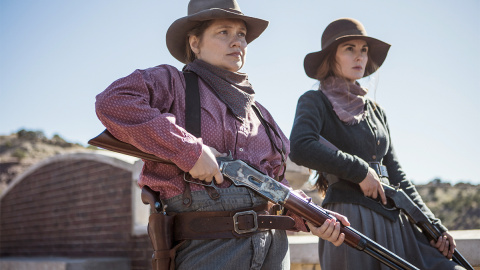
(378, 142)
(374, 157)
(241, 149)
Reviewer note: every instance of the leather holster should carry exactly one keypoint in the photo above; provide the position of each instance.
(160, 231)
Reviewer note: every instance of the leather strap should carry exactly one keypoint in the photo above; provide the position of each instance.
(187, 195)
(380, 169)
(193, 121)
(228, 224)
(282, 151)
(159, 255)
(193, 124)
(192, 105)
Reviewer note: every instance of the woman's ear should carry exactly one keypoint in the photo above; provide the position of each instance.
(194, 42)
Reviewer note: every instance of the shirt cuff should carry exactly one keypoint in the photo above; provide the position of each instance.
(363, 174)
(188, 156)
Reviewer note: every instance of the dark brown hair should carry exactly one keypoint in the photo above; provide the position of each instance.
(197, 31)
(321, 184)
(327, 67)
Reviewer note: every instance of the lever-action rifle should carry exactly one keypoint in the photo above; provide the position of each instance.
(413, 212)
(241, 174)
(418, 217)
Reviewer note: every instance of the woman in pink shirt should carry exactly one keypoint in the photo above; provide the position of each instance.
(147, 110)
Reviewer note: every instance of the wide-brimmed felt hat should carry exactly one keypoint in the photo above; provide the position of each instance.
(339, 31)
(204, 10)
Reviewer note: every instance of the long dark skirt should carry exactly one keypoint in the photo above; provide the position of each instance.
(400, 237)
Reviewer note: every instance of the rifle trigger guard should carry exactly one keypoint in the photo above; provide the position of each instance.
(244, 213)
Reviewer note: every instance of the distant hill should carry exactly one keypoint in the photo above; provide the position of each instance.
(458, 206)
(20, 150)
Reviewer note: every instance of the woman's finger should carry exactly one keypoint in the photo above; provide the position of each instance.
(328, 232)
(445, 249)
(343, 219)
(335, 232)
(340, 240)
(381, 192)
(218, 177)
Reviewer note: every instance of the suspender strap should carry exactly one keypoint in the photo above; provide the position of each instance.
(193, 125)
(282, 151)
(192, 105)
(193, 120)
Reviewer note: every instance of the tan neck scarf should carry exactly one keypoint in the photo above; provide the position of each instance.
(348, 99)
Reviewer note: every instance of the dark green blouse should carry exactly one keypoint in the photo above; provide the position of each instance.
(359, 144)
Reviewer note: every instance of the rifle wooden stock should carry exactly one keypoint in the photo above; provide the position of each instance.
(107, 141)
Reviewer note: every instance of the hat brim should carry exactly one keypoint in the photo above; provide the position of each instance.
(377, 48)
(177, 32)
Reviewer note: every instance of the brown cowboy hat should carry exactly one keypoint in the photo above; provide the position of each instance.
(339, 31)
(204, 10)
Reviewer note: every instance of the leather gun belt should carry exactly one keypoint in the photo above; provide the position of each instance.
(228, 224)
(380, 169)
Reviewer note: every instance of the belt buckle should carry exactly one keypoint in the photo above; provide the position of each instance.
(383, 171)
(244, 213)
(376, 166)
(380, 169)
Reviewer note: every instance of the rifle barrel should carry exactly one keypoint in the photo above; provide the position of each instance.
(418, 217)
(317, 216)
(432, 233)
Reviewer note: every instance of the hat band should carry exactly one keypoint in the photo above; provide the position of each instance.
(344, 34)
(233, 10)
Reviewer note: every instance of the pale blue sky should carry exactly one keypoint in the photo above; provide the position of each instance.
(55, 56)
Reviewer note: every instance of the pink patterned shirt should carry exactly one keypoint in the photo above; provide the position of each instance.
(147, 110)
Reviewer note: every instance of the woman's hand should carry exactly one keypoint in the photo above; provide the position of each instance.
(445, 244)
(330, 229)
(372, 187)
(206, 167)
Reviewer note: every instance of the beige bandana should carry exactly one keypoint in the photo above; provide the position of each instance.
(348, 99)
